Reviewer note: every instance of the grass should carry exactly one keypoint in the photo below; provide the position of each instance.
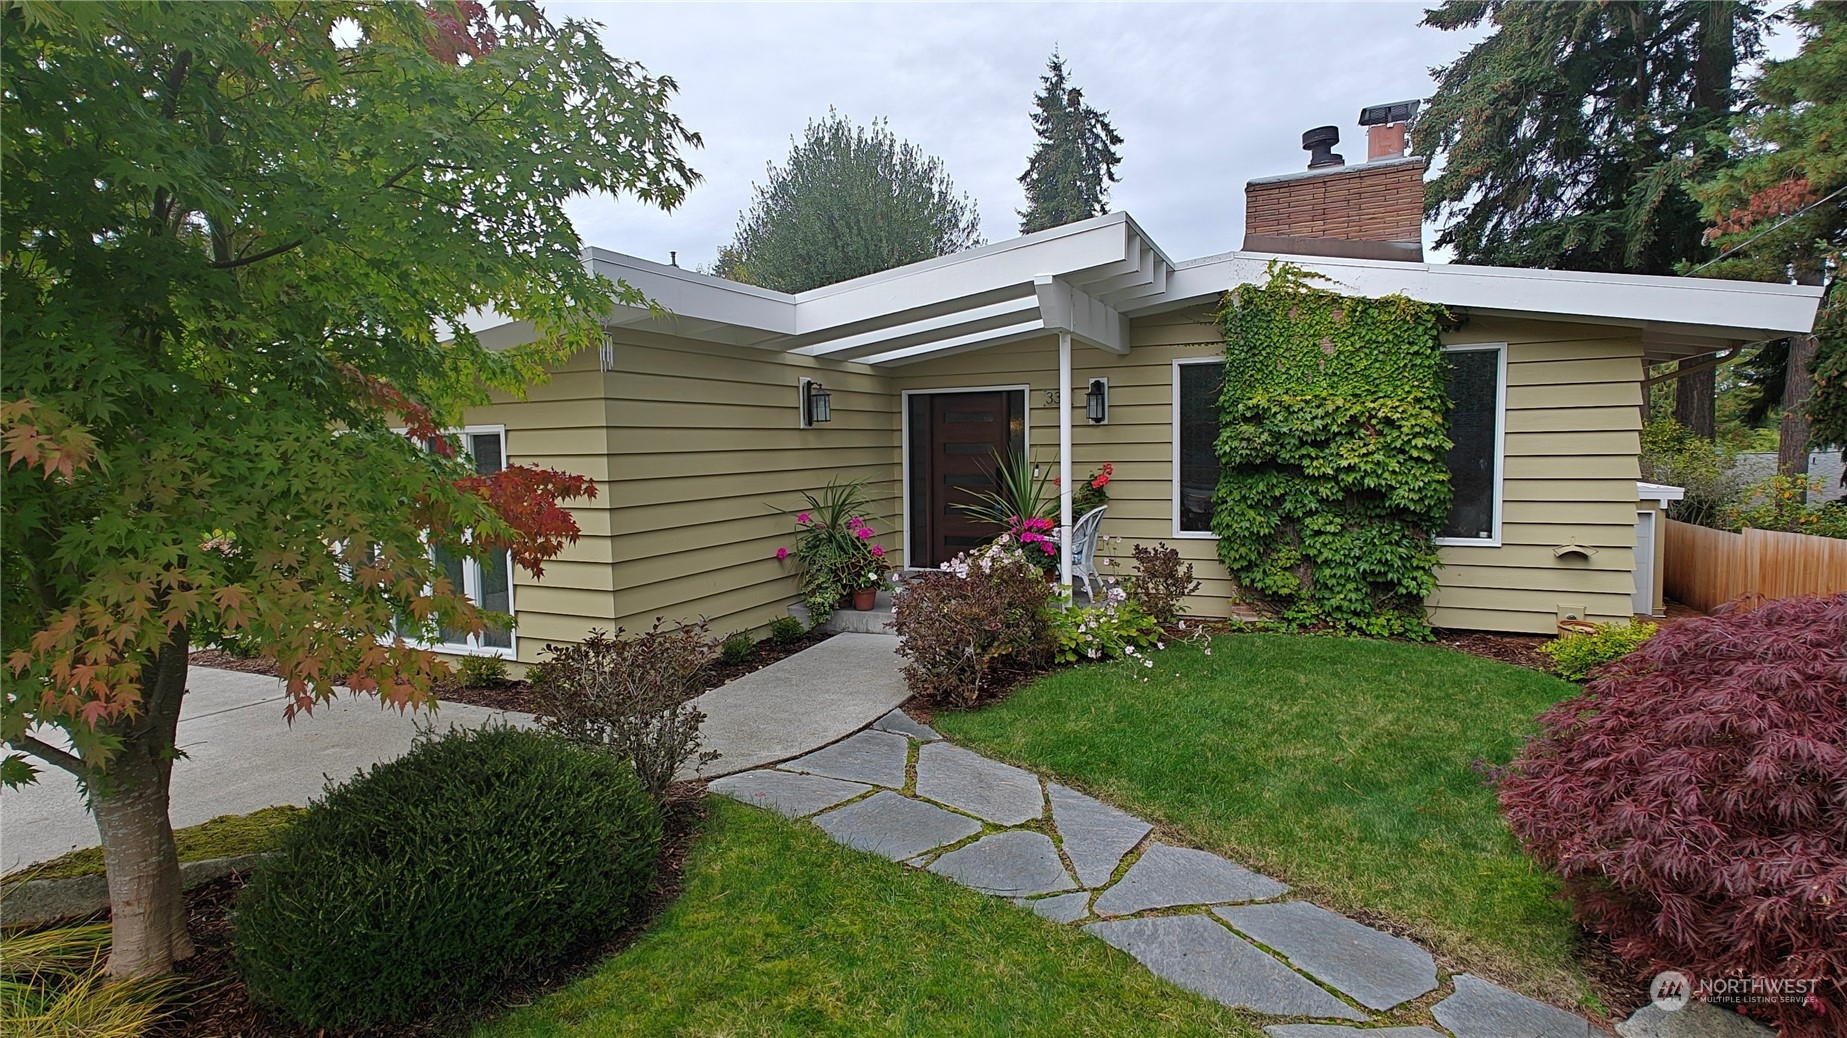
(227, 836)
(1342, 766)
(780, 931)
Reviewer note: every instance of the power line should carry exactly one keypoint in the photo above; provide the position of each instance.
(1773, 227)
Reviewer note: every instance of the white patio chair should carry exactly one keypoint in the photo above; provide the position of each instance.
(1084, 551)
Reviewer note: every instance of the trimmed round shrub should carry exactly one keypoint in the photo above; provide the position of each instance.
(478, 862)
(1694, 799)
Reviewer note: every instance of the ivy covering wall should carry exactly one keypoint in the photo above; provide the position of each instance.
(1332, 445)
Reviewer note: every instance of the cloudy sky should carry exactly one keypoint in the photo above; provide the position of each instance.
(1206, 96)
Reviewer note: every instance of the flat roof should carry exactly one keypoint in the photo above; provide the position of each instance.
(1090, 277)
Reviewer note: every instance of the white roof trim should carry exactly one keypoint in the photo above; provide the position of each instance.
(1089, 278)
(1722, 309)
(1659, 492)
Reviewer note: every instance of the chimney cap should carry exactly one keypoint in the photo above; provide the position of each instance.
(1386, 114)
(1319, 143)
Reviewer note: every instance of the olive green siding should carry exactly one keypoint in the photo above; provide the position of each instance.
(695, 445)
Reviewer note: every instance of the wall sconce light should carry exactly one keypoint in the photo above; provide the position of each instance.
(817, 403)
(1096, 402)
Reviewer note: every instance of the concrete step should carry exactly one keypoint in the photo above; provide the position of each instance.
(876, 620)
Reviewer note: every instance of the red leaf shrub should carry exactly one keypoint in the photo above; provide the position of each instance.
(1694, 798)
(979, 616)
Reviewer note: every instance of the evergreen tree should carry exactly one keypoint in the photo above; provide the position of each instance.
(1572, 133)
(1068, 177)
(1781, 209)
(852, 200)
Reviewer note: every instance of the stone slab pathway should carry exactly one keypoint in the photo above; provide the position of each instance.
(1208, 924)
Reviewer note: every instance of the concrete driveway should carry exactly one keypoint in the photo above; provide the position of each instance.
(240, 756)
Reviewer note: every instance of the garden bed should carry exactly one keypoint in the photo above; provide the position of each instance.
(228, 1010)
(517, 695)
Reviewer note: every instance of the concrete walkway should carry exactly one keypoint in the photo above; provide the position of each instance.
(1199, 920)
(240, 755)
(810, 699)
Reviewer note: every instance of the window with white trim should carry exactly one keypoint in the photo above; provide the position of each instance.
(1476, 384)
(488, 583)
(1196, 432)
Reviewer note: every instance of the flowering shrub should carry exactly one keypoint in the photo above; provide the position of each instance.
(1574, 656)
(1034, 536)
(834, 548)
(1691, 798)
(1161, 582)
(1104, 630)
(982, 615)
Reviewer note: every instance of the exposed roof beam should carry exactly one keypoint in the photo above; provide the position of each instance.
(1089, 321)
(884, 339)
(959, 344)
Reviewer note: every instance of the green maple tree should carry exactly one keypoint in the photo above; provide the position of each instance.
(241, 244)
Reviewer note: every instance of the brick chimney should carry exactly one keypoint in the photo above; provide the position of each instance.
(1369, 211)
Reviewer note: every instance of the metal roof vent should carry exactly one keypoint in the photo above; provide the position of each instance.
(1319, 143)
(1396, 112)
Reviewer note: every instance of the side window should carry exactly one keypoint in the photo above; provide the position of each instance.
(1474, 386)
(489, 582)
(1196, 432)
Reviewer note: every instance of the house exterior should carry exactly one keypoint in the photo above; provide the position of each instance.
(693, 424)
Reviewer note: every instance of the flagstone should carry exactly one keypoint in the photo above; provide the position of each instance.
(1095, 835)
(1166, 877)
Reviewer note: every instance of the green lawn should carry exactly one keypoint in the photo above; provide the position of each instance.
(227, 836)
(1341, 766)
(780, 931)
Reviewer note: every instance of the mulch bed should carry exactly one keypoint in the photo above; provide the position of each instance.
(518, 695)
(219, 1006)
(1521, 650)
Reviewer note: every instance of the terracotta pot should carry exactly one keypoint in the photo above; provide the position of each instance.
(865, 598)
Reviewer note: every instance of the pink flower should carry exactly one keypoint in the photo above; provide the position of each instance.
(865, 533)
(804, 518)
(782, 554)
(878, 552)
(855, 523)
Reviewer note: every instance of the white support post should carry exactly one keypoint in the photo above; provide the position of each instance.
(1065, 518)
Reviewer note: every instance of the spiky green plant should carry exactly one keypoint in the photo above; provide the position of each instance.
(1020, 489)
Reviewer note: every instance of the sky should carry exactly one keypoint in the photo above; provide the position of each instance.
(1205, 96)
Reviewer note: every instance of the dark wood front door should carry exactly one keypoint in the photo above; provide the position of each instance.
(955, 439)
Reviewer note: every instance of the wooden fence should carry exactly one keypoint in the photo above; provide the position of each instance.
(1707, 567)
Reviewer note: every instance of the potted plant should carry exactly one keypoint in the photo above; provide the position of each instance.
(834, 550)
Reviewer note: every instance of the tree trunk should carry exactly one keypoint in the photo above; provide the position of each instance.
(1792, 444)
(147, 912)
(1693, 401)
